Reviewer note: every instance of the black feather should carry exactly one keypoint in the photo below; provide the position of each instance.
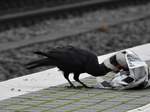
(70, 60)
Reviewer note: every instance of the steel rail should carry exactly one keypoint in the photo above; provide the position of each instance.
(59, 9)
(23, 43)
(13, 45)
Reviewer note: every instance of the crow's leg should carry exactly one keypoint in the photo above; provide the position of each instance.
(76, 78)
(66, 75)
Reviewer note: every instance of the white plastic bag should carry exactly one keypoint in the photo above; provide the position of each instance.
(137, 74)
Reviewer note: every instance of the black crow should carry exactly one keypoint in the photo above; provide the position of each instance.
(70, 59)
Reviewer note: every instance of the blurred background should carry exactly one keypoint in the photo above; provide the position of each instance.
(101, 26)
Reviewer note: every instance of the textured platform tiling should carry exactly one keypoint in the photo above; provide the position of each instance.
(62, 99)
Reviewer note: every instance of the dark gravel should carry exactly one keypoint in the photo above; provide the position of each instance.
(118, 37)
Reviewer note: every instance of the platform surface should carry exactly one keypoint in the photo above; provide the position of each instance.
(39, 94)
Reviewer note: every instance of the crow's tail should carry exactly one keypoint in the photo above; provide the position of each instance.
(40, 63)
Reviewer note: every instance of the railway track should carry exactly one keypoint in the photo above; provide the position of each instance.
(77, 7)
(90, 4)
(14, 45)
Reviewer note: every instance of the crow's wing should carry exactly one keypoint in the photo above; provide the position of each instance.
(69, 57)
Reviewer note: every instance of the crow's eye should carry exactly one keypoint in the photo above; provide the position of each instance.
(124, 52)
